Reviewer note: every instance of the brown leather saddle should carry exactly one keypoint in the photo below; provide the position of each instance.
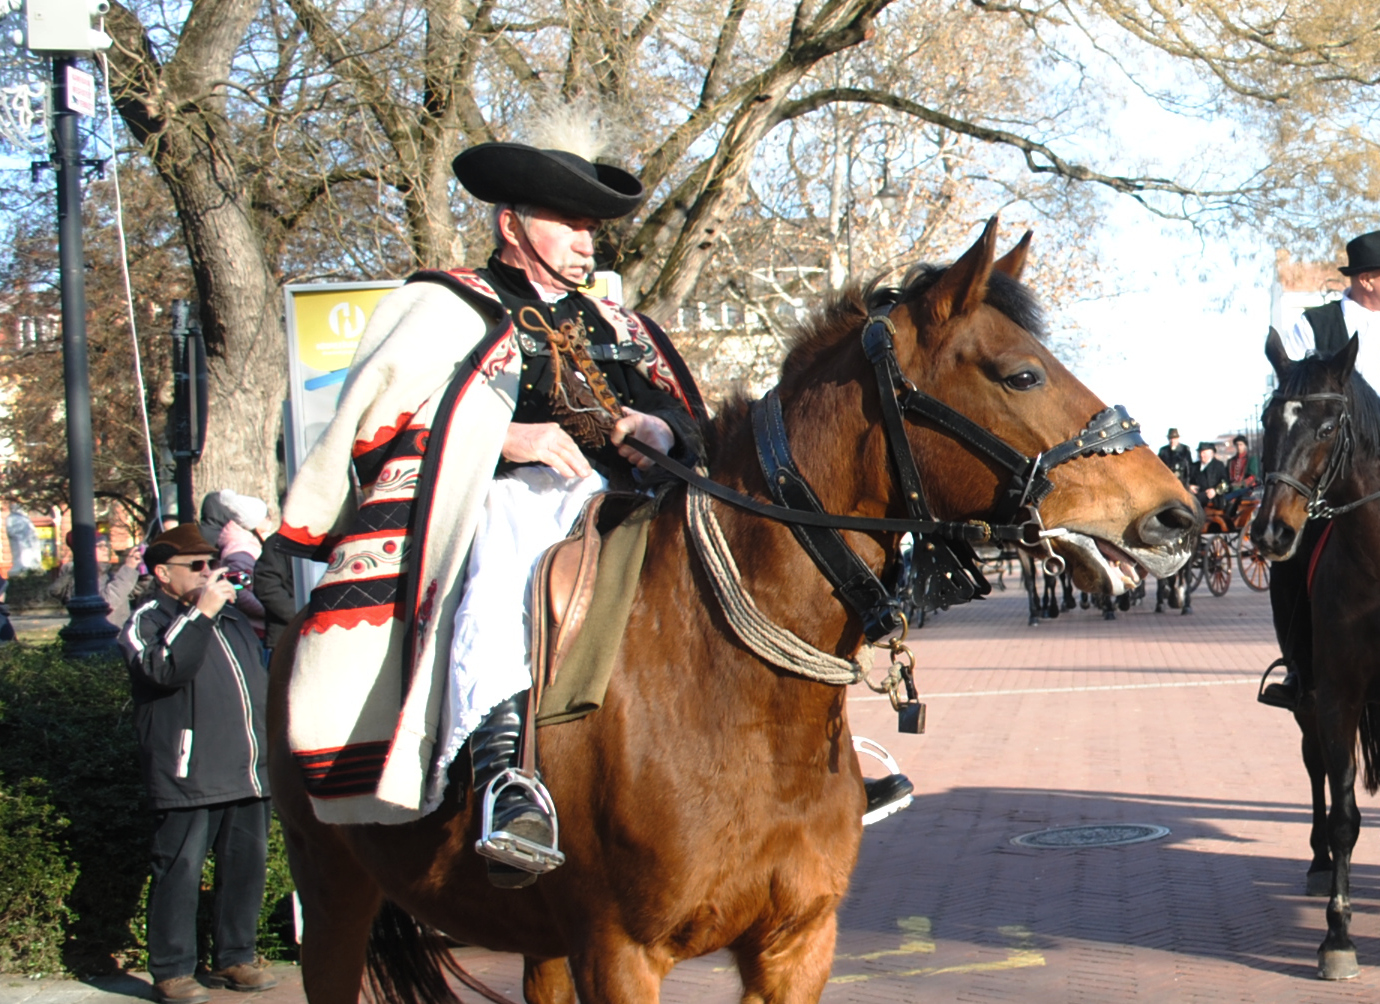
(562, 589)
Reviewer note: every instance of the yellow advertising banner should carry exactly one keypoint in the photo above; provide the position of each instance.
(329, 323)
(324, 322)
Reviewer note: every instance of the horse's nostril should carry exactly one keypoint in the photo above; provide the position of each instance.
(1167, 525)
(1177, 517)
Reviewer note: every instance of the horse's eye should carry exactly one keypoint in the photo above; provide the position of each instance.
(1024, 380)
(1326, 430)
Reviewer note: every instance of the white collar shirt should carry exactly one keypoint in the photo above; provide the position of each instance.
(1359, 320)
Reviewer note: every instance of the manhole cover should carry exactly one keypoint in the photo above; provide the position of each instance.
(1093, 835)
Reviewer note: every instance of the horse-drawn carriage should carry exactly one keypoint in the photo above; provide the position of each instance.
(1227, 533)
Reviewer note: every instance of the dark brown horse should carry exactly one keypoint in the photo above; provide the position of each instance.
(714, 801)
(1321, 455)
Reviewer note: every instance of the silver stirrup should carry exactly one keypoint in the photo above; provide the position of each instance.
(877, 751)
(508, 848)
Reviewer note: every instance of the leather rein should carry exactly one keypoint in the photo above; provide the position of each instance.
(944, 564)
(1338, 461)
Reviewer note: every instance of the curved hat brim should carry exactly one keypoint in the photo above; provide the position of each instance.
(553, 179)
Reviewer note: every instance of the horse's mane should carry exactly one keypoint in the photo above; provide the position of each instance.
(841, 317)
(1308, 374)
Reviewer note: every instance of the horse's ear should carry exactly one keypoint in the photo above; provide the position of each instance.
(964, 284)
(1345, 361)
(1279, 359)
(1013, 262)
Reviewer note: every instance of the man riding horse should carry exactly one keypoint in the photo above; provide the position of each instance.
(574, 377)
(1322, 331)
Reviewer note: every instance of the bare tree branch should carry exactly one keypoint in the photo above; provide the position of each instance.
(1039, 158)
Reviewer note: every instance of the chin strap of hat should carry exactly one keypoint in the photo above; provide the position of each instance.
(566, 284)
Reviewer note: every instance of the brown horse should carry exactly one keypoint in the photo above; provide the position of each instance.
(1322, 446)
(714, 801)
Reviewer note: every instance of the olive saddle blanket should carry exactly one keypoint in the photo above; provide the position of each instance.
(582, 595)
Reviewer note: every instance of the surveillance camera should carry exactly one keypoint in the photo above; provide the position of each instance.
(100, 8)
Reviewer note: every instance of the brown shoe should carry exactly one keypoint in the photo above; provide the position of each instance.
(247, 977)
(181, 990)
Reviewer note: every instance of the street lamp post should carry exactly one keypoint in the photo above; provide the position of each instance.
(891, 199)
(88, 633)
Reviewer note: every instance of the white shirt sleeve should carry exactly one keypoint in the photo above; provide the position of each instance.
(1299, 340)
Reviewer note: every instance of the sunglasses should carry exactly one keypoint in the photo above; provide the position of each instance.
(196, 566)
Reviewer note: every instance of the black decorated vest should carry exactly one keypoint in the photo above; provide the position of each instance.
(1329, 328)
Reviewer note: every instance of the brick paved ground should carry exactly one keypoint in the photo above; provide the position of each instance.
(1147, 719)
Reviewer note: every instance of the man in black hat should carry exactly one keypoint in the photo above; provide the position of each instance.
(1208, 478)
(1176, 457)
(1324, 330)
(1327, 329)
(547, 207)
(200, 692)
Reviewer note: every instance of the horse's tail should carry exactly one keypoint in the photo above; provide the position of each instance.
(409, 964)
(1370, 747)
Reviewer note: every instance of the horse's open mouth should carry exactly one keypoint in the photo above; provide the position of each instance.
(1118, 569)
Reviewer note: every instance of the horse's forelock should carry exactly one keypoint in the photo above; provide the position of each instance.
(1006, 295)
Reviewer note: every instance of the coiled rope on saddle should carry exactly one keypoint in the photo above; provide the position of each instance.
(774, 644)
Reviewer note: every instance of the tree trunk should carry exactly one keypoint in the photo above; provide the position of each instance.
(177, 111)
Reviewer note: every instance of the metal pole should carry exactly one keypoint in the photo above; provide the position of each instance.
(88, 633)
(186, 500)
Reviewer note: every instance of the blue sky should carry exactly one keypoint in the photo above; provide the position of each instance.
(1181, 339)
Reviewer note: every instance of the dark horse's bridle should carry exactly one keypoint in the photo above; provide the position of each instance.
(943, 554)
(1338, 461)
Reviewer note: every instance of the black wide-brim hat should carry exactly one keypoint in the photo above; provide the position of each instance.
(552, 179)
(1362, 254)
(1207, 446)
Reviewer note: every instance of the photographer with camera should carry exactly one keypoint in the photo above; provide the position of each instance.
(200, 692)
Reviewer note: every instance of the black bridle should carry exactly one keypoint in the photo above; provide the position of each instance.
(1338, 461)
(945, 565)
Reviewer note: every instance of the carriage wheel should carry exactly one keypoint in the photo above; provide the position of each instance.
(1218, 566)
(1193, 572)
(1254, 569)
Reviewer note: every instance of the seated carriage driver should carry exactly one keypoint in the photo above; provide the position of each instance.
(1243, 474)
(1208, 479)
(1323, 331)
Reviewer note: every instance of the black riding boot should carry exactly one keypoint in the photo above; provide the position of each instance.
(494, 749)
(1284, 694)
(886, 795)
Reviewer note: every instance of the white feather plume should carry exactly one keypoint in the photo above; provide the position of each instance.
(577, 127)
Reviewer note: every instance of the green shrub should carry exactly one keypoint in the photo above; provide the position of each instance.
(67, 740)
(35, 879)
(29, 591)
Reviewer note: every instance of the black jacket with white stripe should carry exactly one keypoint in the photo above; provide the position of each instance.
(200, 701)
